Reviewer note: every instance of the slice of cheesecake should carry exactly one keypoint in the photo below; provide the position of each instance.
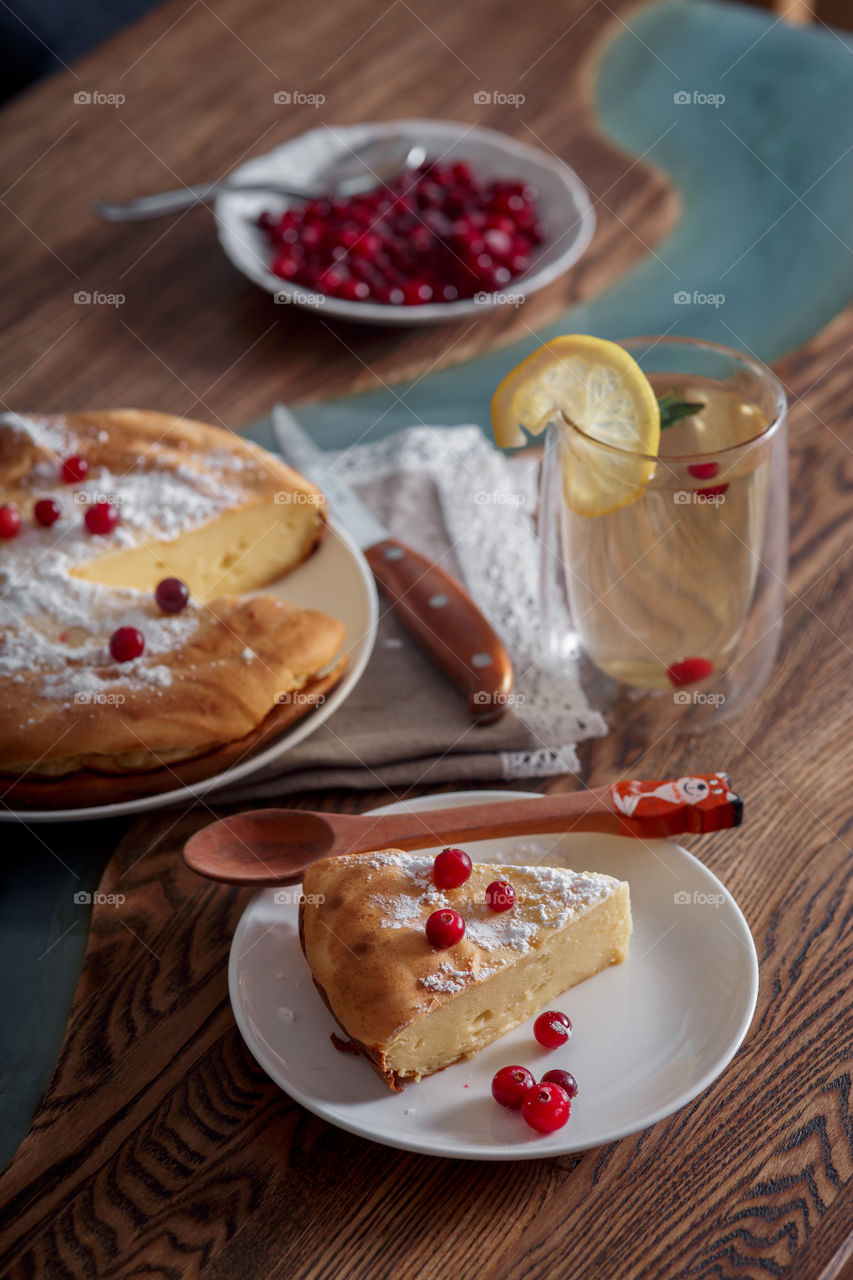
(412, 1009)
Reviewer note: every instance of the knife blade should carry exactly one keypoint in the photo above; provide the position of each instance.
(433, 607)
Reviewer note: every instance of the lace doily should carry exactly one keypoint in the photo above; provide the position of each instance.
(488, 504)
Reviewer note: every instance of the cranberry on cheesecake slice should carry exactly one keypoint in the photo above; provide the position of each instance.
(413, 1000)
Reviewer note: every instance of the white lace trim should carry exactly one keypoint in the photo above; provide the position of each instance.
(488, 503)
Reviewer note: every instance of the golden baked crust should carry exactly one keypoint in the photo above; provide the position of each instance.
(187, 493)
(362, 932)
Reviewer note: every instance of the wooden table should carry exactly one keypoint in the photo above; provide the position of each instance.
(160, 1148)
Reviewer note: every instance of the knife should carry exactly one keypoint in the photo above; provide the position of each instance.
(429, 603)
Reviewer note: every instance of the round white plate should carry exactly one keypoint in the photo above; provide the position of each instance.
(649, 1034)
(336, 579)
(565, 208)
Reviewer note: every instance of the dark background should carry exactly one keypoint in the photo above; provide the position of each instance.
(39, 36)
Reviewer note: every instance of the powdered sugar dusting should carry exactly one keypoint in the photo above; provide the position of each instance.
(53, 621)
(546, 898)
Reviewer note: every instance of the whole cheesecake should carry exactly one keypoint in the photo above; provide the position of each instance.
(412, 1009)
(194, 502)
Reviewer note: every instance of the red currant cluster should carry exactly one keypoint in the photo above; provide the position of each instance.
(434, 234)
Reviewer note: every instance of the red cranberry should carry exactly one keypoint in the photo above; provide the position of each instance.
(546, 1107)
(703, 470)
(510, 1084)
(713, 490)
(354, 290)
(10, 522)
(451, 868)
(552, 1029)
(285, 266)
(46, 512)
(564, 1079)
(444, 928)
(689, 671)
(126, 644)
(74, 469)
(500, 896)
(416, 293)
(172, 595)
(101, 517)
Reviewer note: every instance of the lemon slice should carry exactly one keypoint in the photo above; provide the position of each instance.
(601, 397)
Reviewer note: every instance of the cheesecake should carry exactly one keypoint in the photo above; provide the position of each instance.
(195, 503)
(412, 1009)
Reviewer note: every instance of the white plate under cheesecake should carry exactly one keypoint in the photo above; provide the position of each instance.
(649, 1033)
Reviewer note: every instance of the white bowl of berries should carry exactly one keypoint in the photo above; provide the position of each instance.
(485, 221)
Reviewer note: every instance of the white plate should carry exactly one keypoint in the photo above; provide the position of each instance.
(649, 1034)
(336, 579)
(565, 211)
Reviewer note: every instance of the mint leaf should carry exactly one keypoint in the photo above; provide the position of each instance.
(673, 409)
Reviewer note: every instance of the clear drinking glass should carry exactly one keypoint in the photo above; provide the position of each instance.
(672, 604)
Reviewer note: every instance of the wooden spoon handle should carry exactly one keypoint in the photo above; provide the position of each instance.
(646, 810)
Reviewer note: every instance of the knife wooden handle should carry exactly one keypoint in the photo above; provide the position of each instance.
(446, 622)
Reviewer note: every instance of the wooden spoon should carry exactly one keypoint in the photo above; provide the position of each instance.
(274, 846)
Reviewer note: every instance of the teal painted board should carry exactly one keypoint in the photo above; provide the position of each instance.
(766, 181)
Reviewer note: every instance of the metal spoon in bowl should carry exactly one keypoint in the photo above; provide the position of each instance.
(348, 174)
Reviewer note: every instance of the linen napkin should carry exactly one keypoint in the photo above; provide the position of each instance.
(453, 496)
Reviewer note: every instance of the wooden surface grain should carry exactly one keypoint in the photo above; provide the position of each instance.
(160, 1148)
